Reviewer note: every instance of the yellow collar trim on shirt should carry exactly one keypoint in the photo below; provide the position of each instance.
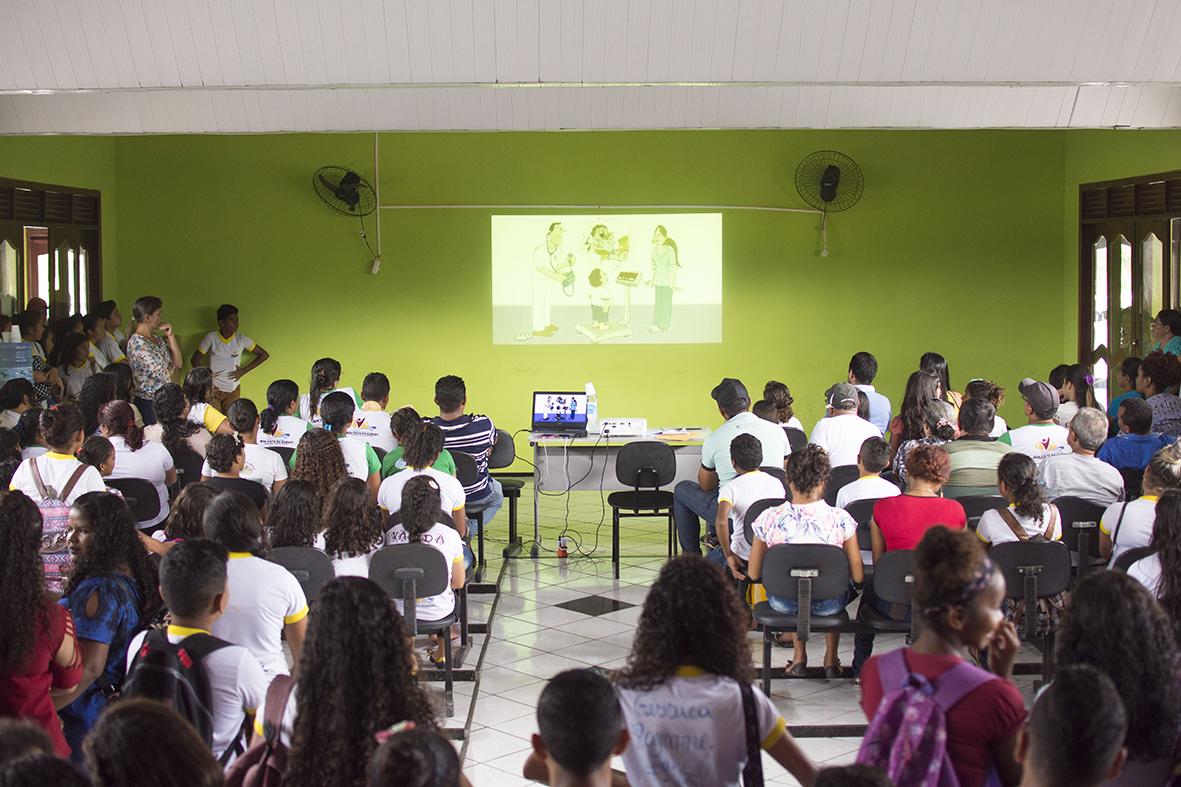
(224, 340)
(239, 555)
(56, 455)
(869, 475)
(1150, 498)
(689, 671)
(371, 407)
(184, 631)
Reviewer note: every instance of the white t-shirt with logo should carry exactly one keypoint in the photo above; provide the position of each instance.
(305, 404)
(1136, 528)
(225, 355)
(690, 730)
(451, 494)
(1037, 440)
(740, 493)
(870, 487)
(264, 597)
(373, 426)
(150, 463)
(56, 470)
(841, 436)
(288, 430)
(359, 457)
(992, 528)
(446, 540)
(237, 685)
(262, 465)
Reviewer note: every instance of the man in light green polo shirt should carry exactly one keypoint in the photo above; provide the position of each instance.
(974, 455)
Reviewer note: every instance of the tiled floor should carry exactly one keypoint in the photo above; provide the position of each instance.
(532, 638)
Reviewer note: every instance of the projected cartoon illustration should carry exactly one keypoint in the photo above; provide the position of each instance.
(587, 279)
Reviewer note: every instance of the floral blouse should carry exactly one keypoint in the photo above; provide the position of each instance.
(151, 364)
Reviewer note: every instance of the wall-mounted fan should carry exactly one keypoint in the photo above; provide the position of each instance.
(348, 193)
(829, 181)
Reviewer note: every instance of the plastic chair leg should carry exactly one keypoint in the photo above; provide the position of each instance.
(461, 599)
(767, 660)
(448, 675)
(480, 547)
(615, 541)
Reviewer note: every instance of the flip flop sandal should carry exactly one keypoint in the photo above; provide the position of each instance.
(436, 657)
(832, 671)
(795, 670)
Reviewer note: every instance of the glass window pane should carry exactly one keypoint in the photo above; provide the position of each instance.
(1128, 332)
(9, 271)
(1152, 252)
(1099, 315)
(1100, 374)
(72, 282)
(83, 282)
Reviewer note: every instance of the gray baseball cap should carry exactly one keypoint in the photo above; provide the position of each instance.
(1042, 397)
(842, 396)
(730, 392)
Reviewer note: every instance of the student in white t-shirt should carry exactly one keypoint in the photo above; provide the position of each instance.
(420, 509)
(1130, 524)
(337, 411)
(372, 423)
(77, 364)
(173, 426)
(262, 464)
(841, 432)
(96, 330)
(872, 459)
(1041, 437)
(198, 389)
(136, 458)
(749, 486)
(266, 602)
(353, 528)
(193, 582)
(224, 348)
(278, 425)
(1027, 513)
(325, 378)
(61, 427)
(115, 340)
(420, 452)
(682, 683)
(1160, 571)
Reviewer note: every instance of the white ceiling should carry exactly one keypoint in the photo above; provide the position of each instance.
(163, 66)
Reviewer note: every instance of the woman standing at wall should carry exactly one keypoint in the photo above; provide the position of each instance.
(154, 360)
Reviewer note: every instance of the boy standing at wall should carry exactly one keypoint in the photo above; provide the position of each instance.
(224, 348)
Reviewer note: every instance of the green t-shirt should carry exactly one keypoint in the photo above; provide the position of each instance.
(393, 462)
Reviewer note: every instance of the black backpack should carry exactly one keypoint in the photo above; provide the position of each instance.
(172, 674)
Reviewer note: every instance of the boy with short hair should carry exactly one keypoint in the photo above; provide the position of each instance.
(766, 409)
(580, 728)
(736, 496)
(115, 339)
(872, 459)
(1136, 443)
(193, 585)
(473, 435)
(224, 348)
(372, 423)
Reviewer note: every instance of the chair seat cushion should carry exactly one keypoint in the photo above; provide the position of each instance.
(644, 500)
(869, 616)
(777, 620)
(511, 486)
(432, 626)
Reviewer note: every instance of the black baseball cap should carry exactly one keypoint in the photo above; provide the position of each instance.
(730, 393)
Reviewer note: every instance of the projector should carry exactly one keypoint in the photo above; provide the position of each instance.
(624, 427)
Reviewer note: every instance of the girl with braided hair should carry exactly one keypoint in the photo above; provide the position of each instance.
(325, 377)
(136, 458)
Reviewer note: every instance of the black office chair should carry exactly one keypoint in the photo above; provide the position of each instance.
(893, 478)
(645, 466)
(1133, 482)
(976, 505)
(805, 573)
(795, 438)
(1125, 561)
(893, 582)
(188, 468)
(311, 567)
(412, 571)
(381, 452)
(1034, 570)
(140, 495)
(466, 472)
(1080, 532)
(753, 511)
(504, 453)
(862, 511)
(779, 473)
(284, 452)
(841, 475)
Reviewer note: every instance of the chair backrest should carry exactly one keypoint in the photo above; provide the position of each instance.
(1133, 482)
(188, 468)
(976, 505)
(1080, 525)
(1125, 561)
(408, 572)
(1033, 570)
(840, 476)
(381, 452)
(786, 565)
(140, 495)
(862, 511)
(284, 452)
(893, 576)
(752, 513)
(646, 464)
(795, 438)
(504, 453)
(311, 567)
(778, 472)
(465, 468)
(893, 478)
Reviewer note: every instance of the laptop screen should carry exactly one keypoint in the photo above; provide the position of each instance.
(559, 411)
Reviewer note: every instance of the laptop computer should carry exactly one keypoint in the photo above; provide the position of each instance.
(559, 412)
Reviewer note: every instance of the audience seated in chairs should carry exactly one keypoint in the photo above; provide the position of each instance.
(938, 429)
(1158, 375)
(841, 431)
(1129, 524)
(1160, 571)
(992, 393)
(295, 519)
(173, 426)
(1042, 436)
(1135, 443)
(975, 453)
(1079, 473)
(352, 528)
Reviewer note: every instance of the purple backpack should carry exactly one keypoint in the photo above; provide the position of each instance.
(908, 735)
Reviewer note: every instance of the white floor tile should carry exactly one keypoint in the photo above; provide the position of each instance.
(489, 744)
(492, 711)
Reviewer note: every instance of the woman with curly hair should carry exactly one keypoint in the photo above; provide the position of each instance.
(352, 528)
(225, 457)
(1109, 614)
(116, 754)
(691, 654)
(959, 592)
(319, 461)
(173, 427)
(266, 601)
(135, 458)
(10, 455)
(185, 519)
(295, 518)
(994, 395)
(807, 519)
(356, 677)
(1160, 571)
(112, 592)
(336, 413)
(39, 652)
(97, 390)
(911, 422)
(778, 394)
(1159, 374)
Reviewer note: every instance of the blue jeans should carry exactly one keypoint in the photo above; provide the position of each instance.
(690, 503)
(863, 643)
(789, 606)
(491, 503)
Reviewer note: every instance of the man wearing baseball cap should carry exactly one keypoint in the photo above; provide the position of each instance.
(693, 500)
(1041, 437)
(841, 431)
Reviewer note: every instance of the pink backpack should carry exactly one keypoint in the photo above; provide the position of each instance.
(908, 735)
(55, 527)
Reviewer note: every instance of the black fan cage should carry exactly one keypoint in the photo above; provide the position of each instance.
(811, 169)
(366, 198)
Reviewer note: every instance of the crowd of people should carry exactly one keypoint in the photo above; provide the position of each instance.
(154, 643)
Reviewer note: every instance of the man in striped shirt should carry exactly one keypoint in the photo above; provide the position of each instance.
(472, 435)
